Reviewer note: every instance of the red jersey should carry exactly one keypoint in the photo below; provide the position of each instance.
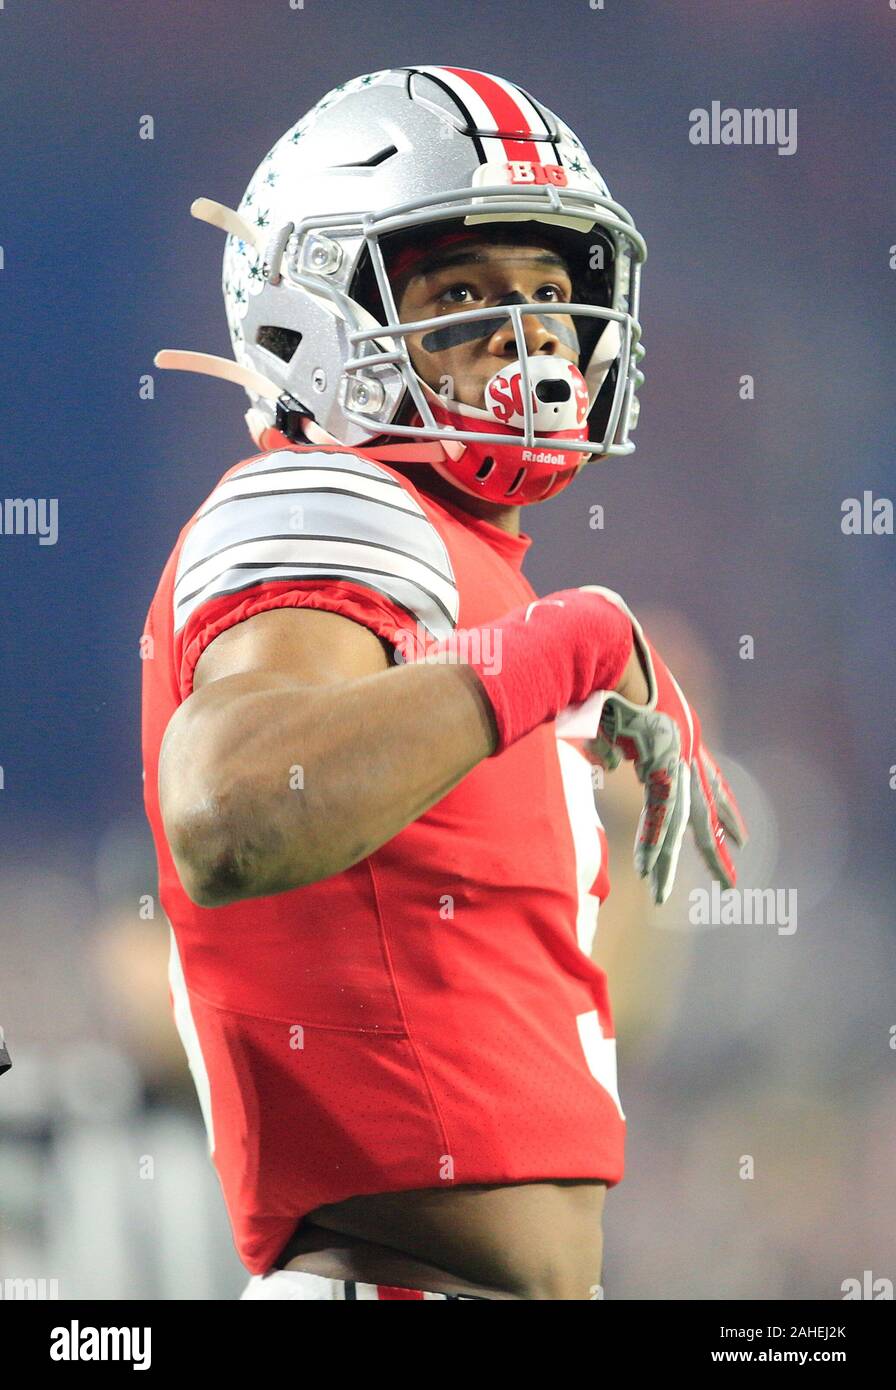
(431, 1015)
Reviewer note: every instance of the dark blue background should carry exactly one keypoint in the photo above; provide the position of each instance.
(726, 521)
(758, 263)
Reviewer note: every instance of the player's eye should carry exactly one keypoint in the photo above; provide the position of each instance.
(447, 295)
(558, 292)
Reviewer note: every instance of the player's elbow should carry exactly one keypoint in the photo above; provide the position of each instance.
(213, 882)
(213, 861)
(226, 851)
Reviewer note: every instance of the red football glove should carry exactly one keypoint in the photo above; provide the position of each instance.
(552, 653)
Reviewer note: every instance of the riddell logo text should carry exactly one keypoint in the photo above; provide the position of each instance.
(77, 1343)
(541, 456)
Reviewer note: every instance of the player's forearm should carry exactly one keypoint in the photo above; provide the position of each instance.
(320, 776)
(289, 784)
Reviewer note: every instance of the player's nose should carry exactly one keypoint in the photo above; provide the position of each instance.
(538, 334)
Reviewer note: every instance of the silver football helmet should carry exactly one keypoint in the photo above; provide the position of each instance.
(379, 163)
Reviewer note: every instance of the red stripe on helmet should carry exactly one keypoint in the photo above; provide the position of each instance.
(506, 114)
(387, 1291)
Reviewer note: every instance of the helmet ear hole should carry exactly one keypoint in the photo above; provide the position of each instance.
(282, 342)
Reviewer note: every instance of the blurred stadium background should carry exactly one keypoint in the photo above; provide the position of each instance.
(732, 1040)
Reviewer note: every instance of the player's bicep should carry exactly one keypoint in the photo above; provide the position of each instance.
(310, 646)
(281, 650)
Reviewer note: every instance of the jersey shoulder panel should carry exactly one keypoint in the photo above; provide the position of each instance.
(316, 515)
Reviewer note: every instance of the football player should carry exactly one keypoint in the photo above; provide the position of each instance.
(368, 744)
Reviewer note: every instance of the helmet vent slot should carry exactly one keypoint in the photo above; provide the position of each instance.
(517, 482)
(375, 159)
(485, 469)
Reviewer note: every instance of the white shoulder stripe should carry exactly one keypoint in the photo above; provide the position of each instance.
(292, 515)
(304, 480)
(310, 554)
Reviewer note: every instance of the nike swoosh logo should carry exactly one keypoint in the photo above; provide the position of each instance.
(554, 602)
